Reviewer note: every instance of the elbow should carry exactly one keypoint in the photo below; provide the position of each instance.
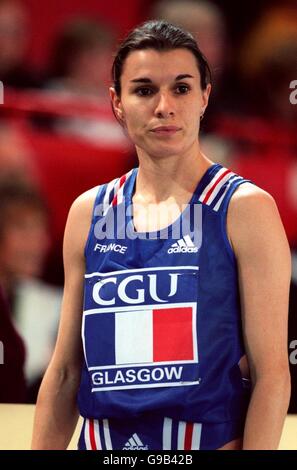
(287, 387)
(283, 382)
(276, 386)
(283, 390)
(58, 381)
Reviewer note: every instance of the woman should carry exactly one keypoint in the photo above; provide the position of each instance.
(164, 336)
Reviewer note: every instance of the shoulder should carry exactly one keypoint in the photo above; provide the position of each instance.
(85, 201)
(253, 217)
(82, 207)
(247, 198)
(79, 220)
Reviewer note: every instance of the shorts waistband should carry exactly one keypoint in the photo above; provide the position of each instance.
(151, 433)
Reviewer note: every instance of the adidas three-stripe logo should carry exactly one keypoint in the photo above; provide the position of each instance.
(183, 245)
(134, 443)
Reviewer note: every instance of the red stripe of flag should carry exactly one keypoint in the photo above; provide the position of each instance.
(115, 199)
(172, 334)
(92, 435)
(188, 436)
(216, 183)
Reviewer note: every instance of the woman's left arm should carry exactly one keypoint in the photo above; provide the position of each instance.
(258, 238)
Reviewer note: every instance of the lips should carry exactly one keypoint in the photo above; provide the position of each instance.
(165, 129)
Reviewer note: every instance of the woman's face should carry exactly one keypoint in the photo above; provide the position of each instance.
(161, 101)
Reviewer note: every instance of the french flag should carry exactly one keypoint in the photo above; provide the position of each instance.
(141, 336)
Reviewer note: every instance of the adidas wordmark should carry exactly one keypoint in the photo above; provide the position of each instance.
(184, 245)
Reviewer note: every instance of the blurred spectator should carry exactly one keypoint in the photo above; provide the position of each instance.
(12, 378)
(14, 39)
(264, 136)
(269, 60)
(80, 68)
(15, 153)
(23, 232)
(81, 58)
(23, 245)
(206, 23)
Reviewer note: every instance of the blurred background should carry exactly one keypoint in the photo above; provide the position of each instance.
(58, 137)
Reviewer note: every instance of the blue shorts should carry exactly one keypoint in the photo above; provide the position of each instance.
(156, 433)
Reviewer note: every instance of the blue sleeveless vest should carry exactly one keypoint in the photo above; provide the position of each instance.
(161, 325)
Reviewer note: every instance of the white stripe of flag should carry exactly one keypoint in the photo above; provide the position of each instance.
(134, 336)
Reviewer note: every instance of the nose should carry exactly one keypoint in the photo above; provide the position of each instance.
(165, 106)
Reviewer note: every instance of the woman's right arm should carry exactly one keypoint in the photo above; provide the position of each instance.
(56, 410)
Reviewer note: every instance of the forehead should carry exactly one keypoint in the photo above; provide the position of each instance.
(159, 64)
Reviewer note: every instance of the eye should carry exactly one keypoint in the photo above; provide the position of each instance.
(182, 89)
(144, 91)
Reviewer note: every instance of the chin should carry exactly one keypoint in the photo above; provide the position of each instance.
(166, 150)
(160, 147)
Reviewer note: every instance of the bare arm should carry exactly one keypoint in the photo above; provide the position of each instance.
(56, 411)
(264, 267)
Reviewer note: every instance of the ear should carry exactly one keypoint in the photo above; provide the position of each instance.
(116, 104)
(205, 97)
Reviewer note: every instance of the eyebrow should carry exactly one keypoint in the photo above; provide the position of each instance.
(148, 80)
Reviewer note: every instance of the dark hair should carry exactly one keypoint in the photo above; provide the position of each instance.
(160, 36)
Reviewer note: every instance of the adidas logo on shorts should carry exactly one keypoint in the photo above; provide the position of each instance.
(183, 245)
(134, 443)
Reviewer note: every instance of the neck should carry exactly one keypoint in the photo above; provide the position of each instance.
(161, 178)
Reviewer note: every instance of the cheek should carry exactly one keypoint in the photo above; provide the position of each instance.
(135, 111)
(135, 120)
(192, 117)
